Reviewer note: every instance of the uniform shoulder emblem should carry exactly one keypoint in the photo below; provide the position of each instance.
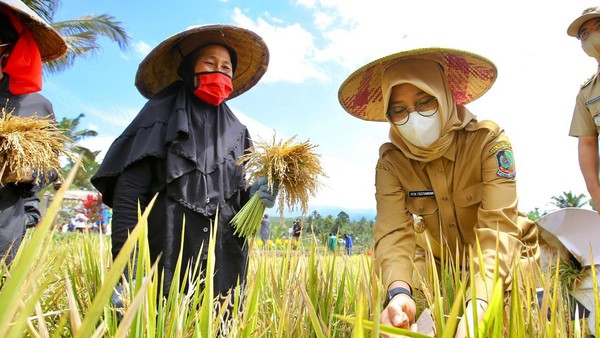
(588, 81)
(506, 163)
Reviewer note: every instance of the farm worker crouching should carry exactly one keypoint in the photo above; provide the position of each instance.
(25, 41)
(444, 174)
(585, 123)
(184, 145)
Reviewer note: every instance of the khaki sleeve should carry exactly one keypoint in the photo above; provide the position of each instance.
(498, 230)
(394, 237)
(582, 122)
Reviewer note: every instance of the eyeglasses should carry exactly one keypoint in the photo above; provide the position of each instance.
(584, 33)
(426, 106)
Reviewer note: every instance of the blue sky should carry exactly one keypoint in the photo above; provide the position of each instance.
(315, 44)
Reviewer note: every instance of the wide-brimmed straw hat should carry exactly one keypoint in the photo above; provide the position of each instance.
(588, 13)
(468, 75)
(49, 42)
(159, 69)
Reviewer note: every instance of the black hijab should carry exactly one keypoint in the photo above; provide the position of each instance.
(200, 144)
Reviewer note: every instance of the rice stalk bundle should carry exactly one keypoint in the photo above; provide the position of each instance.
(28, 143)
(292, 168)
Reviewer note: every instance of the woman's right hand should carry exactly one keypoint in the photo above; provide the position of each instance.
(400, 312)
(11, 177)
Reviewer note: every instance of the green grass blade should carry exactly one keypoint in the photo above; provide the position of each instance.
(112, 278)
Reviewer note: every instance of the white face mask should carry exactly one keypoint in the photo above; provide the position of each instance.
(420, 130)
(591, 46)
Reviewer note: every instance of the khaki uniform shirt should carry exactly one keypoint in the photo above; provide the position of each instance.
(586, 115)
(467, 193)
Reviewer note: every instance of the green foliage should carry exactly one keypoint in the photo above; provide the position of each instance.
(569, 200)
(535, 214)
(81, 34)
(71, 129)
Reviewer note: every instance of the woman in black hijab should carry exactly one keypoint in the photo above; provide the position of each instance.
(184, 145)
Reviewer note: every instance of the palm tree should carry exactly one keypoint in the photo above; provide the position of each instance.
(69, 128)
(81, 34)
(89, 165)
(569, 200)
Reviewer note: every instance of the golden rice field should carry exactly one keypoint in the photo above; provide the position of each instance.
(61, 286)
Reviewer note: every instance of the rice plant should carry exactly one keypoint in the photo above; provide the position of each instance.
(291, 168)
(64, 286)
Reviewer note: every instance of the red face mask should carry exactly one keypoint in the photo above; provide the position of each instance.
(213, 87)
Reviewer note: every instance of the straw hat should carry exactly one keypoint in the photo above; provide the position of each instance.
(588, 13)
(49, 42)
(468, 75)
(159, 69)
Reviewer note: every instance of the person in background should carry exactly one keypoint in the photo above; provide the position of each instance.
(445, 180)
(183, 145)
(348, 244)
(585, 123)
(332, 242)
(297, 230)
(26, 40)
(265, 229)
(80, 223)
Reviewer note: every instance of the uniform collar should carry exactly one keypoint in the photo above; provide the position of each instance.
(450, 154)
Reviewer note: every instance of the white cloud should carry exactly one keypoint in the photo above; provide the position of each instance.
(273, 19)
(114, 116)
(258, 131)
(141, 48)
(98, 143)
(307, 3)
(291, 48)
(322, 20)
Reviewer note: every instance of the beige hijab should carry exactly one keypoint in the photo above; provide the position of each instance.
(427, 75)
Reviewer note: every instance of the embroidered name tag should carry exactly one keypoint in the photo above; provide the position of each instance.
(421, 193)
(590, 101)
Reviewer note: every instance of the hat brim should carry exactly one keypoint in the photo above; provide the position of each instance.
(573, 29)
(50, 43)
(468, 75)
(159, 69)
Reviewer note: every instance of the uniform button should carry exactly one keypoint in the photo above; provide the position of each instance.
(439, 170)
(445, 199)
(452, 225)
(205, 229)
(469, 198)
(420, 209)
(204, 257)
(207, 200)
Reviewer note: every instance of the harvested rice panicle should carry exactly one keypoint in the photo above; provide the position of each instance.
(294, 167)
(28, 143)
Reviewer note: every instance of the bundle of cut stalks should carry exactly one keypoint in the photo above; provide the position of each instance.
(295, 169)
(30, 143)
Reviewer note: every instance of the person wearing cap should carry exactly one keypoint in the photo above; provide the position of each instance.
(585, 123)
(26, 40)
(183, 146)
(445, 178)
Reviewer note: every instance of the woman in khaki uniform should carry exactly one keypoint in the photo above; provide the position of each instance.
(444, 175)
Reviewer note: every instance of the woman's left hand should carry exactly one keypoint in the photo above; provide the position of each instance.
(467, 318)
(267, 195)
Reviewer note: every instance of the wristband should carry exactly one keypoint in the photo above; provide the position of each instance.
(396, 291)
